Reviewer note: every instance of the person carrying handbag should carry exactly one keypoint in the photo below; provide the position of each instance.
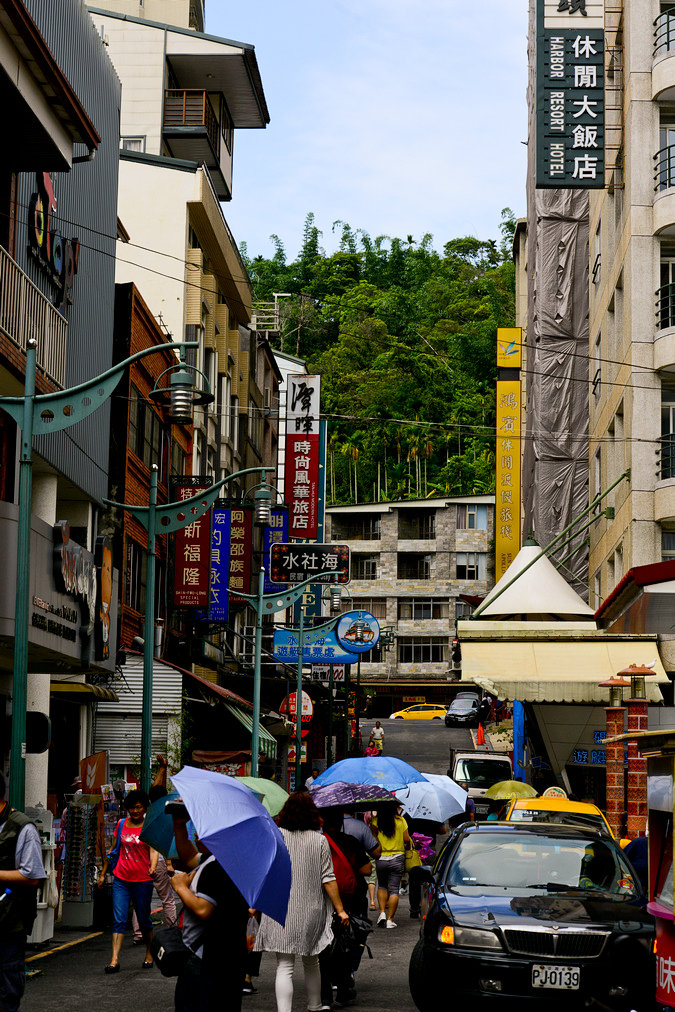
(215, 920)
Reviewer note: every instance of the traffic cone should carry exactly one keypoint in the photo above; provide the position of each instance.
(480, 735)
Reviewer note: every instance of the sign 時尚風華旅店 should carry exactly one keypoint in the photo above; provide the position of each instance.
(570, 95)
(293, 563)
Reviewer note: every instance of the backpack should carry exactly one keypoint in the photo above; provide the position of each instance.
(344, 873)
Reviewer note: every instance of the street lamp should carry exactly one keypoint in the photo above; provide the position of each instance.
(171, 517)
(268, 604)
(42, 414)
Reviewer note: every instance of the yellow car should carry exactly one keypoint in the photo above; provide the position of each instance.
(420, 711)
(558, 810)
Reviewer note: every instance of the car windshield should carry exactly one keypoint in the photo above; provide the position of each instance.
(462, 704)
(482, 772)
(587, 820)
(528, 861)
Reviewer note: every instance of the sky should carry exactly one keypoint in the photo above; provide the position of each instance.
(397, 116)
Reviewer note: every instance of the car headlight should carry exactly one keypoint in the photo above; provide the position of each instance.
(468, 938)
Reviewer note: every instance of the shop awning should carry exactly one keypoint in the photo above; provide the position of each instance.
(268, 744)
(82, 692)
(554, 671)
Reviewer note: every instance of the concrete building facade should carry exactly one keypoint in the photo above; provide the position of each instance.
(417, 566)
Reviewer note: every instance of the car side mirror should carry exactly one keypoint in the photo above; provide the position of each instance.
(425, 873)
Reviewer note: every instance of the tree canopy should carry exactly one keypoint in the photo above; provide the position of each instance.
(404, 338)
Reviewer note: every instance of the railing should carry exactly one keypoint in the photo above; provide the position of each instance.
(665, 457)
(265, 316)
(664, 31)
(192, 108)
(25, 312)
(664, 168)
(665, 306)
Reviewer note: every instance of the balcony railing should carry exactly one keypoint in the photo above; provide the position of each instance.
(665, 306)
(665, 457)
(192, 108)
(664, 168)
(25, 312)
(664, 32)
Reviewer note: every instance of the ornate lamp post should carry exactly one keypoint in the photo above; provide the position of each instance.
(614, 771)
(42, 414)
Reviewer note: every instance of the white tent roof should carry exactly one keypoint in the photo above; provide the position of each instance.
(540, 591)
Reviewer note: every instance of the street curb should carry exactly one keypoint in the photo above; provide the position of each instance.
(65, 945)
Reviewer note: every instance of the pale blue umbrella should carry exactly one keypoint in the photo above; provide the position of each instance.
(241, 835)
(439, 799)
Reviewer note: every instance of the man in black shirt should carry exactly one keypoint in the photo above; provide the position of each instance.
(215, 917)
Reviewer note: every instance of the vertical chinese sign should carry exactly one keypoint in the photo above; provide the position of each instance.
(570, 120)
(275, 534)
(241, 549)
(507, 449)
(192, 550)
(301, 486)
(220, 564)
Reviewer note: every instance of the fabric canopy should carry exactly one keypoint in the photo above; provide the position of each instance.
(268, 744)
(83, 692)
(555, 671)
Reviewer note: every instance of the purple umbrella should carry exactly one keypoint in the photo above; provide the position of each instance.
(343, 794)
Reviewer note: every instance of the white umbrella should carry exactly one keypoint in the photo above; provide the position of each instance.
(437, 798)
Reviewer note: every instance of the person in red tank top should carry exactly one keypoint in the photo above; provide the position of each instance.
(132, 878)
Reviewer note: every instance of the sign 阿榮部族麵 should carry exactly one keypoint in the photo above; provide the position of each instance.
(297, 562)
(570, 94)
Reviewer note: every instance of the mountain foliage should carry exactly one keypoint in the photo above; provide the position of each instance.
(404, 338)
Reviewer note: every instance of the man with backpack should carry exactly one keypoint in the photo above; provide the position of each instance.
(21, 871)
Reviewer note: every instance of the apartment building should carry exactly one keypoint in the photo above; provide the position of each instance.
(632, 304)
(418, 566)
(184, 94)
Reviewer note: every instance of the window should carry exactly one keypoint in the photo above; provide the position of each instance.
(417, 525)
(363, 528)
(665, 160)
(135, 576)
(132, 143)
(597, 254)
(462, 610)
(596, 589)
(226, 125)
(420, 650)
(597, 471)
(420, 608)
(255, 427)
(471, 565)
(177, 458)
(667, 469)
(472, 517)
(597, 367)
(364, 567)
(145, 430)
(667, 546)
(377, 606)
(665, 306)
(413, 566)
(618, 563)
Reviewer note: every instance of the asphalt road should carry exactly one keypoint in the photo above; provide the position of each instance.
(74, 978)
(422, 743)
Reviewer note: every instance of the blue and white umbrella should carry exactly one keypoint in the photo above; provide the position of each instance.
(436, 798)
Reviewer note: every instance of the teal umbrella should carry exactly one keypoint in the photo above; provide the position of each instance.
(157, 828)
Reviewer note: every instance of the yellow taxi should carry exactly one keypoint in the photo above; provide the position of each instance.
(558, 810)
(420, 711)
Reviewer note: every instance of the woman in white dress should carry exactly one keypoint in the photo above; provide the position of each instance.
(307, 930)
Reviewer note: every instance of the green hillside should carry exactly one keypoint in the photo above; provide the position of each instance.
(404, 339)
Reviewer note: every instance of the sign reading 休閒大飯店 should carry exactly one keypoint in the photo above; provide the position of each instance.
(507, 449)
(570, 94)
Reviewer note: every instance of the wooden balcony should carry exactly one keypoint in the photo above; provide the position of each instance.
(188, 113)
(25, 312)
